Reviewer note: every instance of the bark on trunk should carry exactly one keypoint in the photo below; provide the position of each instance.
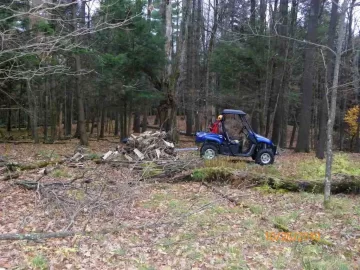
(307, 80)
(332, 111)
(137, 122)
(102, 123)
(33, 115)
(8, 125)
(116, 130)
(53, 109)
(46, 110)
(280, 71)
(80, 97)
(323, 115)
(144, 122)
(60, 128)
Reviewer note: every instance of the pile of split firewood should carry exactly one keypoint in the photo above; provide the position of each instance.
(146, 146)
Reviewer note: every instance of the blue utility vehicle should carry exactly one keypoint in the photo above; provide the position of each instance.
(261, 149)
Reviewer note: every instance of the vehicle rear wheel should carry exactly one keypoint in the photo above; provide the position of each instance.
(265, 157)
(208, 151)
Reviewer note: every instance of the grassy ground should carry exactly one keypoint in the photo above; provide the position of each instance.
(185, 225)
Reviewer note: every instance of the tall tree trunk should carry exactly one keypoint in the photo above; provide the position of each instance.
(53, 108)
(183, 82)
(137, 122)
(332, 111)
(287, 76)
(19, 119)
(32, 99)
(102, 123)
(144, 120)
(208, 60)
(116, 130)
(80, 96)
(282, 29)
(8, 125)
(307, 80)
(252, 14)
(67, 113)
(93, 123)
(293, 133)
(46, 110)
(60, 127)
(323, 115)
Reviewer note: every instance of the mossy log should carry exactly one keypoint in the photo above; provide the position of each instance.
(9, 176)
(33, 166)
(341, 183)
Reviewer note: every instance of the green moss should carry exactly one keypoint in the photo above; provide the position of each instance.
(221, 174)
(267, 189)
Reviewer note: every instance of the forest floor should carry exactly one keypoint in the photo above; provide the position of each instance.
(158, 225)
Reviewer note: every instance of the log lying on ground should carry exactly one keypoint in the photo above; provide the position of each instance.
(32, 166)
(146, 146)
(341, 183)
(9, 176)
(11, 170)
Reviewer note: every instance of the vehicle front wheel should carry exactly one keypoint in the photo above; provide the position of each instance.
(208, 151)
(265, 157)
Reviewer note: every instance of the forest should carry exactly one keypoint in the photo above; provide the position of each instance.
(101, 104)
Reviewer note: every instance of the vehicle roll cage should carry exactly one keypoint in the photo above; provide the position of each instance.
(242, 118)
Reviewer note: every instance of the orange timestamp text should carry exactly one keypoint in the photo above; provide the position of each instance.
(292, 236)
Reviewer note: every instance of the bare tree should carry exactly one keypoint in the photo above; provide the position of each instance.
(332, 109)
(320, 146)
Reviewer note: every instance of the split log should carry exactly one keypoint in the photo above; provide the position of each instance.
(106, 155)
(139, 154)
(77, 157)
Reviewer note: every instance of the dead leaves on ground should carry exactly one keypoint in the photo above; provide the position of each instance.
(192, 227)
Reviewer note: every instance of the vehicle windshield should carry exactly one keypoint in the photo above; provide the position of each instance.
(235, 127)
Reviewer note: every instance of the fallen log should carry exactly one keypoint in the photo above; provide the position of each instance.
(341, 183)
(9, 176)
(32, 166)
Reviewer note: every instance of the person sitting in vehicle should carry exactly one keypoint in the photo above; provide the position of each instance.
(217, 125)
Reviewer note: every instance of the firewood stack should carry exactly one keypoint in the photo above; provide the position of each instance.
(146, 146)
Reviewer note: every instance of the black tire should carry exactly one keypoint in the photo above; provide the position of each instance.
(208, 151)
(265, 157)
(254, 156)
